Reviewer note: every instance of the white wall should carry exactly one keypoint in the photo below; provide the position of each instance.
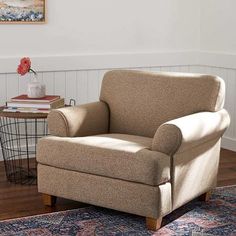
(105, 26)
(83, 39)
(217, 28)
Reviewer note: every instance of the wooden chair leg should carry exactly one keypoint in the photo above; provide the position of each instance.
(153, 224)
(205, 196)
(49, 200)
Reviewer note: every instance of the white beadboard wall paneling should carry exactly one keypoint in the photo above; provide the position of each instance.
(12, 85)
(223, 73)
(3, 89)
(93, 85)
(48, 80)
(101, 75)
(39, 75)
(229, 139)
(194, 69)
(84, 86)
(23, 81)
(229, 143)
(155, 69)
(142, 68)
(167, 68)
(229, 76)
(71, 88)
(164, 68)
(231, 98)
(60, 83)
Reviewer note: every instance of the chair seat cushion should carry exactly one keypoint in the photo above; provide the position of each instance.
(119, 156)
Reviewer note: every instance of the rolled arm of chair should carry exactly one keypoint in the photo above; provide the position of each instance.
(84, 120)
(186, 132)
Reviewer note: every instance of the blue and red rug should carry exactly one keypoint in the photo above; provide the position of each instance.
(217, 217)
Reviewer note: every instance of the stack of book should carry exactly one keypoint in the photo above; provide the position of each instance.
(36, 105)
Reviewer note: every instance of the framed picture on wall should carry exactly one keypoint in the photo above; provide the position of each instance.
(22, 11)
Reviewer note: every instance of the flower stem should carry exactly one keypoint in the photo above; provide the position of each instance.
(33, 71)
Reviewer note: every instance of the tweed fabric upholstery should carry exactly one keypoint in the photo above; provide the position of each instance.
(194, 172)
(140, 102)
(113, 155)
(88, 119)
(149, 146)
(183, 133)
(139, 199)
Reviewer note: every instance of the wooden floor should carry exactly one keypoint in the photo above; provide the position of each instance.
(17, 200)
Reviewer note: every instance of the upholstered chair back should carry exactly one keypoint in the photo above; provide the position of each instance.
(140, 102)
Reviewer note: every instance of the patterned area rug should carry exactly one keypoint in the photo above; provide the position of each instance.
(217, 217)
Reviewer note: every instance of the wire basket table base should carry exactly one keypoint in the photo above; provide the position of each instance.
(18, 138)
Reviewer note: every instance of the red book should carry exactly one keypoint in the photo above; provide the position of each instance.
(46, 99)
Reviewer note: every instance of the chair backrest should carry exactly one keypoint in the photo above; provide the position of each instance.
(140, 102)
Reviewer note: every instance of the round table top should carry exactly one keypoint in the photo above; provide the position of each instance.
(22, 115)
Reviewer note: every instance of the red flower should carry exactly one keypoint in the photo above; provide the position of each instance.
(22, 70)
(25, 62)
(25, 66)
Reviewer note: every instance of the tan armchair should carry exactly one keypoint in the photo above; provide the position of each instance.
(149, 145)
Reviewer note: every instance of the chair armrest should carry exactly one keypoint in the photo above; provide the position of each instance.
(84, 120)
(186, 132)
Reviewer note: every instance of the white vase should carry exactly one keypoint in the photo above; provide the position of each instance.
(35, 88)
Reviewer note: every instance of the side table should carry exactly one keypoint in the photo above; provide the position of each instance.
(19, 134)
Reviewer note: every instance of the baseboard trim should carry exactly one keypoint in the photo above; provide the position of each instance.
(229, 143)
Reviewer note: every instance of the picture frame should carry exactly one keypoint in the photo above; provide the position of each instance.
(22, 11)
